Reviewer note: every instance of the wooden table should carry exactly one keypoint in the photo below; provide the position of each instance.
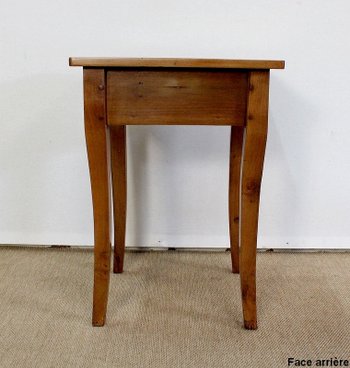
(120, 92)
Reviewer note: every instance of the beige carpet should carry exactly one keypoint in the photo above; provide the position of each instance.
(171, 309)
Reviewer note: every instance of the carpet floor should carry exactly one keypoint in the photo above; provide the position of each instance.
(171, 309)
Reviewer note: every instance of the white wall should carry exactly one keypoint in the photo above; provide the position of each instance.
(177, 175)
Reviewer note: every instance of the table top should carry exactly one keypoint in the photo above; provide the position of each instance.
(175, 63)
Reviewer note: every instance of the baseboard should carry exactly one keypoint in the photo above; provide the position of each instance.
(191, 249)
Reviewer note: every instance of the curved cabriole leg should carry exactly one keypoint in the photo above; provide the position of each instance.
(253, 159)
(118, 163)
(97, 148)
(234, 192)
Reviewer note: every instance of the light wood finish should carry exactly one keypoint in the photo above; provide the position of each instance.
(119, 92)
(97, 148)
(175, 63)
(118, 163)
(236, 146)
(176, 97)
(253, 159)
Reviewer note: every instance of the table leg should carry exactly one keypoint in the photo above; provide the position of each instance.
(118, 163)
(253, 159)
(234, 192)
(97, 148)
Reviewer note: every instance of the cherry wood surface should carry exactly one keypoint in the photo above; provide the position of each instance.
(118, 165)
(253, 159)
(176, 97)
(97, 148)
(175, 63)
(119, 92)
(236, 146)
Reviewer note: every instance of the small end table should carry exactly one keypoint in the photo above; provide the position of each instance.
(120, 92)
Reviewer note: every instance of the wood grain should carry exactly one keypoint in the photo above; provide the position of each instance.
(175, 63)
(97, 148)
(253, 159)
(236, 145)
(176, 97)
(118, 164)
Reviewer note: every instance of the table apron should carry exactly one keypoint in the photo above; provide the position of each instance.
(176, 97)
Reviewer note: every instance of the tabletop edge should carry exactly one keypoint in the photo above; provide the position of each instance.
(175, 63)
